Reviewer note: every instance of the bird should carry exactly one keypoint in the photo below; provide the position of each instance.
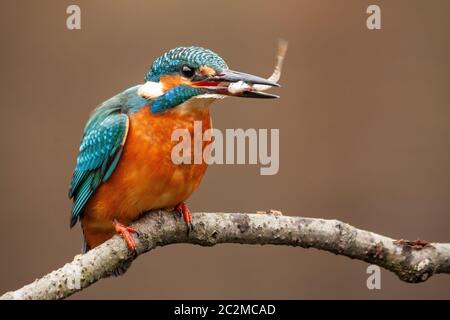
(124, 166)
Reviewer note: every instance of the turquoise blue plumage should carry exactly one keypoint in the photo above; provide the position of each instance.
(99, 153)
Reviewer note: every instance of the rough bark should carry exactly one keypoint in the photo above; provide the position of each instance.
(412, 261)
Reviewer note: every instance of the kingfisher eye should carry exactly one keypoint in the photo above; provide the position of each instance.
(187, 71)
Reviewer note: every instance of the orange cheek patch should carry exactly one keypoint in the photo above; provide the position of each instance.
(207, 71)
(172, 81)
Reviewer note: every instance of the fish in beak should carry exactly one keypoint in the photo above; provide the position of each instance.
(239, 84)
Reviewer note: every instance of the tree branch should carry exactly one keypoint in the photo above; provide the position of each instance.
(411, 261)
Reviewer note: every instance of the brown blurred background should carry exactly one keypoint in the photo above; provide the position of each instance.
(364, 120)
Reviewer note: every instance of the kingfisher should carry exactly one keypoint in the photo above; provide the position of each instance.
(124, 166)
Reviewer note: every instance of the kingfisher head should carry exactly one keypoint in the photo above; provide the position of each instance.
(185, 73)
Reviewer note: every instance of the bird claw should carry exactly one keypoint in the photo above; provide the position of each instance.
(184, 211)
(126, 233)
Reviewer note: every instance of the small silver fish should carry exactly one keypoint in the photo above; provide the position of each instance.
(241, 86)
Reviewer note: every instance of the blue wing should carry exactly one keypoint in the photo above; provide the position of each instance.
(100, 150)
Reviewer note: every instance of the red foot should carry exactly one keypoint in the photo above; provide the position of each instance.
(126, 233)
(183, 209)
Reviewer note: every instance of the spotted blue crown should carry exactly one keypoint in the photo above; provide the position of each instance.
(172, 60)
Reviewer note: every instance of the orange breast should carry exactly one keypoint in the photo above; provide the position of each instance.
(146, 177)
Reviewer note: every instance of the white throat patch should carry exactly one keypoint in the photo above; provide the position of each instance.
(151, 90)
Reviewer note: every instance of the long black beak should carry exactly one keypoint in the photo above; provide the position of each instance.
(230, 76)
(235, 76)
